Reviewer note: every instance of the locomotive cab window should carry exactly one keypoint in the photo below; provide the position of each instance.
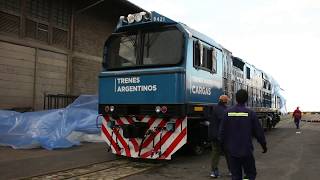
(148, 48)
(123, 51)
(204, 57)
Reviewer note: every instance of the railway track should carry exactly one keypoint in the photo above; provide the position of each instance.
(109, 170)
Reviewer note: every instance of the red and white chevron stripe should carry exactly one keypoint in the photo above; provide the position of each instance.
(159, 144)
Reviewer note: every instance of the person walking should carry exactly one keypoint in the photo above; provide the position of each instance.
(237, 128)
(296, 115)
(215, 118)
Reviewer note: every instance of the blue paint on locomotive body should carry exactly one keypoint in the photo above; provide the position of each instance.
(197, 78)
(179, 84)
(147, 86)
(182, 83)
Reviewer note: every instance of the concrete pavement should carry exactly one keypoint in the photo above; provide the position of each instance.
(292, 155)
(15, 164)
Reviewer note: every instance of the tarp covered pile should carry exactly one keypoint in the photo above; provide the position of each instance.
(58, 128)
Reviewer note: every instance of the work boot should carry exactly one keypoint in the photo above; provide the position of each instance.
(215, 173)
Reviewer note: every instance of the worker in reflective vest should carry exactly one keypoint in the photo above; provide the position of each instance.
(237, 128)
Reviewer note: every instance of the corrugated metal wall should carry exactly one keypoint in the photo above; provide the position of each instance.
(56, 50)
(17, 70)
(51, 75)
(27, 73)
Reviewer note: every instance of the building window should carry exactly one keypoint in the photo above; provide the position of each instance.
(9, 23)
(61, 13)
(59, 37)
(47, 21)
(10, 6)
(10, 17)
(37, 30)
(39, 10)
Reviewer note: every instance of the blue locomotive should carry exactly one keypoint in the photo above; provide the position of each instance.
(159, 79)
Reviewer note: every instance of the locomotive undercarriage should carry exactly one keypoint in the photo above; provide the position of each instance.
(150, 136)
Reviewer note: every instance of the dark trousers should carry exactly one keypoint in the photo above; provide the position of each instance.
(297, 122)
(217, 151)
(246, 163)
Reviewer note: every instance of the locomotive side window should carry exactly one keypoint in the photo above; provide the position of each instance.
(214, 60)
(204, 57)
(209, 58)
(196, 54)
(248, 73)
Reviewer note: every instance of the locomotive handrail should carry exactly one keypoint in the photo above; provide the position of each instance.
(97, 124)
(166, 70)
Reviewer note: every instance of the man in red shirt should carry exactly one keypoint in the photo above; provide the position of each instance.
(297, 117)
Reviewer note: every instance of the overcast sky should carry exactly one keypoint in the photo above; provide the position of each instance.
(281, 37)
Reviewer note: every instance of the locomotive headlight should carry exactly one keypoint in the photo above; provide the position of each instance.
(138, 17)
(146, 16)
(171, 126)
(111, 108)
(158, 109)
(106, 108)
(123, 19)
(130, 18)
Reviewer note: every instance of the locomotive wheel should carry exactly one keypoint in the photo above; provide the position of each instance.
(269, 125)
(197, 149)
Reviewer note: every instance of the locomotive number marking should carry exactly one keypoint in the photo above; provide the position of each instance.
(159, 19)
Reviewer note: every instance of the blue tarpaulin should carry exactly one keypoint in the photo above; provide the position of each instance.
(58, 128)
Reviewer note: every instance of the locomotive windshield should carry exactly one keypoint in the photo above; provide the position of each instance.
(144, 48)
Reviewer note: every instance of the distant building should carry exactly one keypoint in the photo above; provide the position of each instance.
(53, 47)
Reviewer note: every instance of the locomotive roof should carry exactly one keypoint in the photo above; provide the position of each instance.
(160, 19)
(209, 40)
(201, 36)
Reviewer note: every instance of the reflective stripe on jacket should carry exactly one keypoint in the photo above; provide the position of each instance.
(237, 128)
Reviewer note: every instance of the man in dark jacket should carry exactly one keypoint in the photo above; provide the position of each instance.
(236, 131)
(215, 118)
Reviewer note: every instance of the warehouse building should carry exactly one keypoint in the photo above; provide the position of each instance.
(53, 47)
